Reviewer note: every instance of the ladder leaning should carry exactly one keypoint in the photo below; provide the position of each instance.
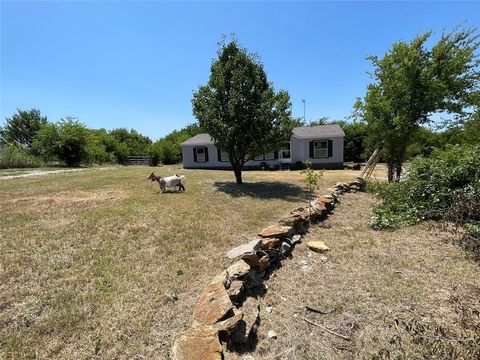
(371, 163)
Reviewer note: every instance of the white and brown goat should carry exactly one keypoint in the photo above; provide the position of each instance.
(169, 181)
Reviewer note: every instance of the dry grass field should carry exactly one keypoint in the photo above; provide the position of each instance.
(98, 264)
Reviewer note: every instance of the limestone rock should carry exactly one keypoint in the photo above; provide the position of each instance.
(234, 271)
(318, 246)
(249, 322)
(251, 259)
(292, 219)
(235, 289)
(276, 231)
(229, 325)
(213, 304)
(325, 200)
(242, 249)
(256, 262)
(237, 270)
(198, 343)
(270, 243)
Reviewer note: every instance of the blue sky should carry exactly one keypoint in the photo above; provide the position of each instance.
(135, 64)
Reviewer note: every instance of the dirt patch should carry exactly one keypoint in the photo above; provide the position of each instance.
(47, 172)
(66, 200)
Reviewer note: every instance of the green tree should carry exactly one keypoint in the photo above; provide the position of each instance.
(45, 142)
(324, 120)
(412, 82)
(72, 142)
(355, 137)
(136, 143)
(21, 128)
(239, 108)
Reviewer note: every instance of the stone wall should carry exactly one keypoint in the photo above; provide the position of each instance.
(227, 312)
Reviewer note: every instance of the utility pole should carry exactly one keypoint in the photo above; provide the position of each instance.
(303, 100)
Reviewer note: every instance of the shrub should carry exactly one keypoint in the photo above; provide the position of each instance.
(445, 186)
(14, 156)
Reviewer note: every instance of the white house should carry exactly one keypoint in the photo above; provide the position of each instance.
(322, 145)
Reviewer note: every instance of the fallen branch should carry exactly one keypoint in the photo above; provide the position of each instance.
(326, 329)
(317, 311)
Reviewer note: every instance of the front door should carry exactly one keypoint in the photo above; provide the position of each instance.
(285, 153)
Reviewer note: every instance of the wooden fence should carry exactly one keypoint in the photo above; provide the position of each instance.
(139, 160)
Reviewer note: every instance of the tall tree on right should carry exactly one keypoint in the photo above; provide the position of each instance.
(412, 82)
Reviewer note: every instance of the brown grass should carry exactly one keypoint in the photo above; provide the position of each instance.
(98, 263)
(408, 294)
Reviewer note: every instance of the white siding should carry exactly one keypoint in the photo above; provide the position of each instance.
(299, 150)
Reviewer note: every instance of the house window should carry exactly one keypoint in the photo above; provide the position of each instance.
(320, 149)
(265, 156)
(269, 156)
(224, 156)
(200, 154)
(286, 151)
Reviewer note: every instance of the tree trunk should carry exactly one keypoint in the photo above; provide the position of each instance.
(398, 172)
(391, 169)
(237, 169)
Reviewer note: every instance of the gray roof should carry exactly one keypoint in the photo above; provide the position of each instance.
(319, 131)
(200, 139)
(304, 132)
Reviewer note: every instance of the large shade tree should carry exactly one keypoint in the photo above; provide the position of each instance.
(412, 82)
(21, 128)
(240, 109)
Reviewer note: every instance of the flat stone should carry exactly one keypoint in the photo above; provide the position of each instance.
(318, 246)
(234, 271)
(258, 263)
(292, 219)
(251, 259)
(229, 325)
(213, 304)
(198, 343)
(237, 269)
(235, 289)
(242, 249)
(325, 200)
(270, 243)
(276, 231)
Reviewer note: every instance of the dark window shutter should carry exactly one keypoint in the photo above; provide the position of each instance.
(195, 154)
(275, 155)
(219, 154)
(311, 149)
(330, 148)
(206, 154)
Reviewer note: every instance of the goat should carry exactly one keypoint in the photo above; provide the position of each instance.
(169, 181)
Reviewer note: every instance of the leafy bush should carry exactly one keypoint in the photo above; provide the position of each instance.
(14, 156)
(445, 186)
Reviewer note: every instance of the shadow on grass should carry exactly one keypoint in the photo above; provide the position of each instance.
(263, 190)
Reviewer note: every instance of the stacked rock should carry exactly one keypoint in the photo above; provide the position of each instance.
(228, 311)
